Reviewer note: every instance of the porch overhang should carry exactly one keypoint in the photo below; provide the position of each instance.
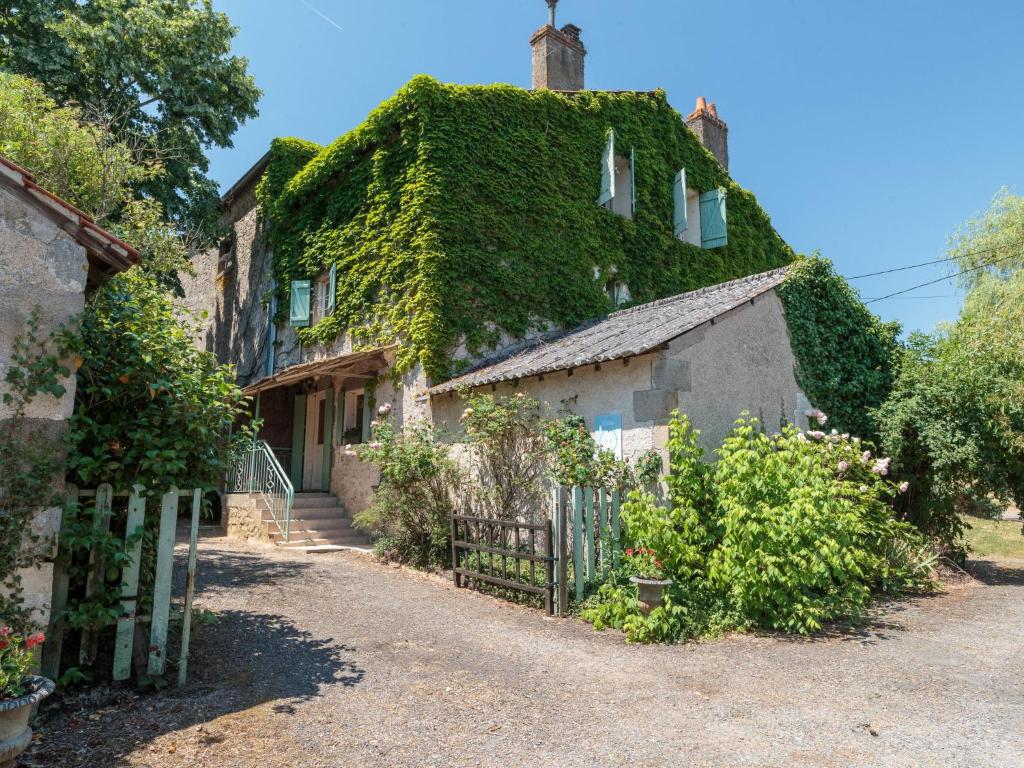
(368, 362)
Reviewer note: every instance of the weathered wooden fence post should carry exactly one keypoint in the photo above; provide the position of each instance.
(190, 585)
(130, 584)
(162, 582)
(97, 569)
(563, 554)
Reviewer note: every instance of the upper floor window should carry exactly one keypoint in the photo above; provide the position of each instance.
(618, 177)
(698, 217)
(313, 300)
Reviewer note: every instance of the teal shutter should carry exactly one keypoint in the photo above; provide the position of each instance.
(679, 204)
(632, 180)
(608, 171)
(713, 232)
(332, 288)
(298, 317)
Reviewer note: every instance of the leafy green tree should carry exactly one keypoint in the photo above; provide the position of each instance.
(991, 244)
(77, 157)
(150, 407)
(162, 70)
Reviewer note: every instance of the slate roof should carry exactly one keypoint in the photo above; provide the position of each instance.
(622, 334)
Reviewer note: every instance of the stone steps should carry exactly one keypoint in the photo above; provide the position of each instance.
(318, 523)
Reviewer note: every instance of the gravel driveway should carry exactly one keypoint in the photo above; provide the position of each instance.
(335, 660)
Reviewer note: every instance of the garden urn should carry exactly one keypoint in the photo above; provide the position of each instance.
(649, 592)
(15, 734)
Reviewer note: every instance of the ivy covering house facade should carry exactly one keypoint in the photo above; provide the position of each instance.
(459, 224)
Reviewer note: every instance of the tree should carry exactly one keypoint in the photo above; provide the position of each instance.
(991, 244)
(161, 70)
(954, 422)
(77, 157)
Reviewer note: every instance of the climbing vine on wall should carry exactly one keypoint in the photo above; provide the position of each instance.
(457, 213)
(846, 357)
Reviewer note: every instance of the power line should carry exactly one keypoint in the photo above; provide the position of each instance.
(943, 279)
(936, 261)
(927, 296)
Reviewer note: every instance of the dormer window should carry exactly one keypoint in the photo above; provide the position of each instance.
(618, 177)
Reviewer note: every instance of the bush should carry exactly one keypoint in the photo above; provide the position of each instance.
(418, 491)
(785, 532)
(807, 528)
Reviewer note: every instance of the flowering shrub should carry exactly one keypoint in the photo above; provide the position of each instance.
(16, 659)
(418, 489)
(643, 563)
(784, 532)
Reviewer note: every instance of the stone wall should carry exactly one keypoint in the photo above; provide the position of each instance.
(353, 481)
(234, 289)
(43, 267)
(242, 517)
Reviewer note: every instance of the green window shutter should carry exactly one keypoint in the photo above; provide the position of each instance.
(332, 287)
(608, 171)
(679, 204)
(298, 317)
(713, 231)
(632, 180)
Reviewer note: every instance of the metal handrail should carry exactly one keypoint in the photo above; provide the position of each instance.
(257, 470)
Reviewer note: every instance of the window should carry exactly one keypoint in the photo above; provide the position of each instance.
(698, 217)
(225, 255)
(319, 299)
(298, 314)
(353, 426)
(312, 301)
(618, 189)
(618, 293)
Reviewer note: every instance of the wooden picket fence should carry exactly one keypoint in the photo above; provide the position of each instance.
(130, 641)
(587, 535)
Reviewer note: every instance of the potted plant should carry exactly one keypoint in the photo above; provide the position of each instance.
(648, 576)
(19, 690)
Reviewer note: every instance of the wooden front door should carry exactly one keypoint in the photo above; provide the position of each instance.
(313, 450)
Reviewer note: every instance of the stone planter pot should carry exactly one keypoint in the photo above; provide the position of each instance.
(15, 734)
(649, 592)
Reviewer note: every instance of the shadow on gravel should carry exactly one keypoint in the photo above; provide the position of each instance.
(235, 570)
(250, 666)
(881, 623)
(996, 573)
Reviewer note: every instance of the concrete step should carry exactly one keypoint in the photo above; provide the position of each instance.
(313, 513)
(333, 541)
(302, 501)
(318, 532)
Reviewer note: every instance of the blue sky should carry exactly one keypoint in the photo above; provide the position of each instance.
(867, 130)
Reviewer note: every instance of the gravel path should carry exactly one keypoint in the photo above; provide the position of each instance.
(335, 660)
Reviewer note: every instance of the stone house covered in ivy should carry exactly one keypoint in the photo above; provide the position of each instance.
(476, 236)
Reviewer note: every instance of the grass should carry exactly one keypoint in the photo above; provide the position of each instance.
(995, 538)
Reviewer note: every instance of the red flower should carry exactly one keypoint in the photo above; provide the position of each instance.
(33, 640)
(6, 631)
(4, 644)
(629, 552)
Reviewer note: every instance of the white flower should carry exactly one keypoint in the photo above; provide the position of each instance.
(843, 466)
(865, 457)
(375, 446)
(904, 486)
(384, 410)
(863, 489)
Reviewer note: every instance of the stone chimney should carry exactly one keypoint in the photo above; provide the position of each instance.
(711, 130)
(557, 55)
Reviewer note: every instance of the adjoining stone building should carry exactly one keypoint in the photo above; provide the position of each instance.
(456, 235)
(51, 256)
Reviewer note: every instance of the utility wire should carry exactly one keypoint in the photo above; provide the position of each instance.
(943, 279)
(935, 261)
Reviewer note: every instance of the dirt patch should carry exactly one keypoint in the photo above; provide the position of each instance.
(336, 660)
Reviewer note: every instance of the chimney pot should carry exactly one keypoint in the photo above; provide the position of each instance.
(711, 130)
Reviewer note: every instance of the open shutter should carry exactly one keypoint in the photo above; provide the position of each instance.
(713, 231)
(298, 316)
(332, 288)
(608, 171)
(632, 181)
(679, 204)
